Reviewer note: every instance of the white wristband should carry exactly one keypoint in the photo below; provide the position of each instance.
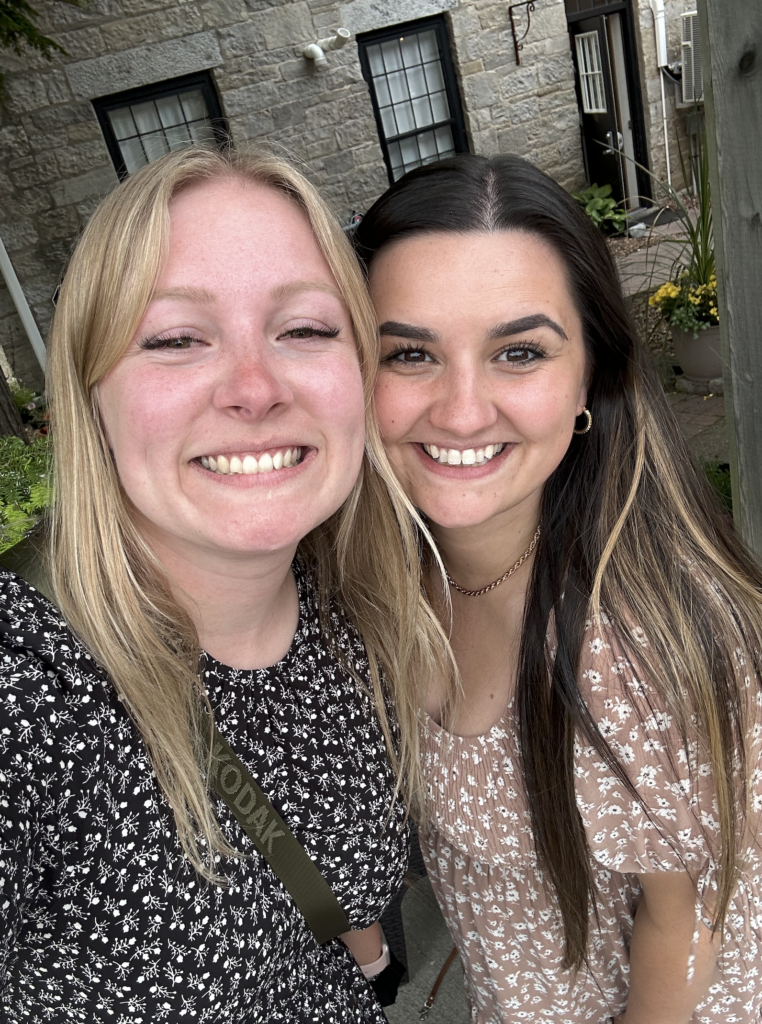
(372, 971)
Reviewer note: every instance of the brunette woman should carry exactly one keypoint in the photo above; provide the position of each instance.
(594, 788)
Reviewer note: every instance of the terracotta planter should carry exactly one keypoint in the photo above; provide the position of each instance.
(700, 358)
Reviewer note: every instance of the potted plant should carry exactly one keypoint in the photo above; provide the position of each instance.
(688, 299)
(690, 309)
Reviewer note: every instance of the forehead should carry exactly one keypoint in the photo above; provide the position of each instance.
(474, 272)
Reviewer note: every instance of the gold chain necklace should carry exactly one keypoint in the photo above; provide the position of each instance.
(504, 577)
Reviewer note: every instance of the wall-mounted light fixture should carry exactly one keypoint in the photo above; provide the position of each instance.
(316, 51)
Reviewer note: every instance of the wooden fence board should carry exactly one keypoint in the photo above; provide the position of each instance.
(731, 41)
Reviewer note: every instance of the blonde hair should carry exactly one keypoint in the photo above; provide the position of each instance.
(109, 585)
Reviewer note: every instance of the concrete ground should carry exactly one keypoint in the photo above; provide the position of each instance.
(428, 946)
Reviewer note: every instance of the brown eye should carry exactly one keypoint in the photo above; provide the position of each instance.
(408, 356)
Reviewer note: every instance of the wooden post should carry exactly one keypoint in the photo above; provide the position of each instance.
(731, 46)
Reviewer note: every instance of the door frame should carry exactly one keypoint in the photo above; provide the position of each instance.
(632, 74)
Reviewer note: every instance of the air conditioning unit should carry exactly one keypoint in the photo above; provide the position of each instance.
(692, 85)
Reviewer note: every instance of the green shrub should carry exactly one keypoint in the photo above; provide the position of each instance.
(602, 210)
(24, 487)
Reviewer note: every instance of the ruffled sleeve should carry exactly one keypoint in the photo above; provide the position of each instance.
(676, 826)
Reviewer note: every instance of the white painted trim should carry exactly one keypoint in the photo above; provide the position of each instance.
(22, 306)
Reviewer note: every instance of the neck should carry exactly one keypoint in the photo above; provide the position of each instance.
(245, 607)
(477, 555)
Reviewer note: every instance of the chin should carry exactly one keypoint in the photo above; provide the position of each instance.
(457, 519)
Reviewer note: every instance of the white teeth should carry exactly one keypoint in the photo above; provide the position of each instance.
(465, 457)
(249, 465)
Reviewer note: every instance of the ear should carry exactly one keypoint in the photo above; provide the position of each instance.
(582, 397)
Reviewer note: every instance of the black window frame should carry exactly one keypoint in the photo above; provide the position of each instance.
(171, 86)
(455, 121)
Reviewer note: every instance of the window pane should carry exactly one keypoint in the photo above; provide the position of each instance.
(422, 111)
(170, 111)
(387, 120)
(201, 132)
(404, 115)
(440, 107)
(411, 55)
(375, 60)
(398, 87)
(155, 145)
(428, 147)
(392, 56)
(122, 123)
(177, 136)
(382, 92)
(395, 158)
(410, 153)
(146, 117)
(194, 107)
(434, 76)
(133, 155)
(416, 81)
(445, 144)
(428, 44)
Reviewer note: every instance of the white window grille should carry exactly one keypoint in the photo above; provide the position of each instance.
(693, 84)
(591, 73)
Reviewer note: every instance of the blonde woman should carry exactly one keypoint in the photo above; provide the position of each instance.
(209, 555)
(595, 792)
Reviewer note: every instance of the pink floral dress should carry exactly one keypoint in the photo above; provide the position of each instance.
(480, 856)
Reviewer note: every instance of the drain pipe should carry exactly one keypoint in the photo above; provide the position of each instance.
(660, 30)
(22, 306)
(316, 51)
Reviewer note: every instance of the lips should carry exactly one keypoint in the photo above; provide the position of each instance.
(250, 464)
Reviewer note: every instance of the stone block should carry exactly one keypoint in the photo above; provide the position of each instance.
(512, 140)
(366, 15)
(53, 225)
(518, 81)
(286, 26)
(524, 110)
(19, 233)
(287, 115)
(53, 118)
(44, 141)
(14, 142)
(245, 40)
(29, 201)
(170, 23)
(25, 94)
(144, 65)
(97, 182)
(29, 171)
(471, 67)
(219, 13)
(356, 132)
(481, 90)
(82, 43)
(58, 88)
(79, 159)
(557, 69)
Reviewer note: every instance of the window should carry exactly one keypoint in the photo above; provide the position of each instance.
(143, 124)
(414, 93)
(591, 73)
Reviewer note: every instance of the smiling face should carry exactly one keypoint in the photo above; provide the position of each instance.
(483, 371)
(236, 414)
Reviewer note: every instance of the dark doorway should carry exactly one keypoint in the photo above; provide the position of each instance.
(608, 91)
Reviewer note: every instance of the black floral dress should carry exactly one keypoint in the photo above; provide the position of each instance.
(102, 917)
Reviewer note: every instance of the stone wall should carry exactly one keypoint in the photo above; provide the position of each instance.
(54, 165)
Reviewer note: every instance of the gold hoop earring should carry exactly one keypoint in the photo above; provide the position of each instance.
(585, 412)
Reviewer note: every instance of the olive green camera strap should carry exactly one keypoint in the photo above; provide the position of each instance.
(234, 784)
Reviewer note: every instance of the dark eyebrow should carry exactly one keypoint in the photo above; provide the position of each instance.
(393, 329)
(526, 323)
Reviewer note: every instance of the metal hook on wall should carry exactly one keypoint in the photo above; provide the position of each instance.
(518, 43)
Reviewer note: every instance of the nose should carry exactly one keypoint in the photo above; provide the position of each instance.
(252, 384)
(463, 407)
